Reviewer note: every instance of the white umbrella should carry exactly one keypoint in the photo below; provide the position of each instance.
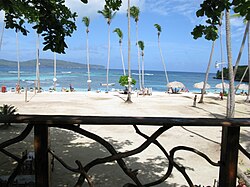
(175, 84)
(201, 84)
(242, 86)
(220, 86)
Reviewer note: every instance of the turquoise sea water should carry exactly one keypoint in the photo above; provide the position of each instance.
(78, 78)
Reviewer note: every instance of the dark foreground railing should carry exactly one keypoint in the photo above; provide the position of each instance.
(41, 124)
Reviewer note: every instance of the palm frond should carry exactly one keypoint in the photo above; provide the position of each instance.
(158, 27)
(107, 14)
(86, 21)
(8, 110)
(134, 13)
(119, 32)
(141, 45)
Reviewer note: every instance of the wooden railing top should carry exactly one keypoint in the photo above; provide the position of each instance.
(122, 120)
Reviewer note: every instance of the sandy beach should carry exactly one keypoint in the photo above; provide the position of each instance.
(150, 163)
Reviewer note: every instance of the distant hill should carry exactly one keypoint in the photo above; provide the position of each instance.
(239, 74)
(49, 63)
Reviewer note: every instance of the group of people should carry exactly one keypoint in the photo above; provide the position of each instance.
(71, 89)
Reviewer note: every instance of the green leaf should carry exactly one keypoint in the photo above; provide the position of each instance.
(200, 13)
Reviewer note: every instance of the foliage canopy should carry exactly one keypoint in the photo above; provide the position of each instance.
(123, 81)
(212, 9)
(50, 18)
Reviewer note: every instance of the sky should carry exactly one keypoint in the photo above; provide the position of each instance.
(177, 18)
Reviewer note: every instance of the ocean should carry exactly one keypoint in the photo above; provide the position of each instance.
(78, 78)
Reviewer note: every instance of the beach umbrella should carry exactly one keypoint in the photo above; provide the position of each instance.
(200, 85)
(220, 86)
(242, 86)
(175, 84)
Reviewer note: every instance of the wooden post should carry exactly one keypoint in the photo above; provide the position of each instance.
(41, 142)
(229, 156)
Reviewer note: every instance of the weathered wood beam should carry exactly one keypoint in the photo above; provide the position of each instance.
(41, 143)
(118, 120)
(229, 156)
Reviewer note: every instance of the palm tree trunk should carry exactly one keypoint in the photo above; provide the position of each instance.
(123, 67)
(241, 49)
(207, 73)
(163, 62)
(37, 64)
(129, 68)
(88, 65)
(242, 77)
(142, 71)
(231, 94)
(54, 71)
(107, 78)
(18, 60)
(222, 61)
(248, 95)
(138, 56)
(1, 38)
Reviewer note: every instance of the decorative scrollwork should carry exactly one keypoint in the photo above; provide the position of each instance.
(119, 156)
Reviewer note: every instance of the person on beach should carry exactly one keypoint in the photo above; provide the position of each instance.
(221, 96)
(71, 88)
(18, 88)
(241, 183)
(194, 103)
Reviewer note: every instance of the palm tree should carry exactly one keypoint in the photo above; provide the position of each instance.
(246, 34)
(7, 110)
(158, 27)
(129, 68)
(248, 95)
(86, 21)
(141, 46)
(108, 15)
(18, 60)
(134, 13)
(231, 94)
(54, 79)
(221, 53)
(118, 31)
(1, 37)
(37, 64)
(207, 73)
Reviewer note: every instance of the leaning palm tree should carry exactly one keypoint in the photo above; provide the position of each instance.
(118, 31)
(158, 27)
(207, 73)
(134, 13)
(248, 95)
(246, 35)
(86, 21)
(141, 46)
(108, 14)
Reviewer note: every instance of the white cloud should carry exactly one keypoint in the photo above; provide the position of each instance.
(1, 16)
(91, 8)
(186, 8)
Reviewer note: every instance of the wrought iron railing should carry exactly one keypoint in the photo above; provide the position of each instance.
(40, 125)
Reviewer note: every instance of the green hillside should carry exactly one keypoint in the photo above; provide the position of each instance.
(48, 63)
(239, 74)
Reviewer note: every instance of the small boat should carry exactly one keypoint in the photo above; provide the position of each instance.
(104, 84)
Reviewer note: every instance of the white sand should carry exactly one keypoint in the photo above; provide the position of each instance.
(150, 163)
